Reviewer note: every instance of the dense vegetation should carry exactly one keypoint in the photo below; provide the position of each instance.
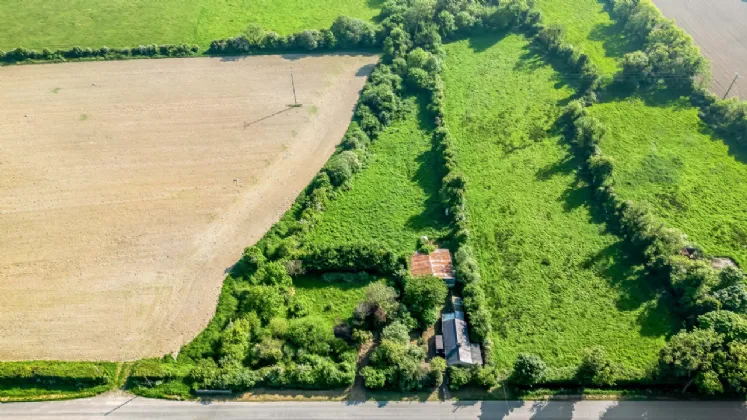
(556, 281)
(38, 24)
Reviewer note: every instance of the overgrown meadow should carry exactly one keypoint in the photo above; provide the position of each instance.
(394, 199)
(690, 176)
(557, 281)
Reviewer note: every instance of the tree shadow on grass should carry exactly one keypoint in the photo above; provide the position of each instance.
(737, 147)
(481, 43)
(618, 263)
(654, 96)
(677, 100)
(614, 41)
(534, 58)
(430, 171)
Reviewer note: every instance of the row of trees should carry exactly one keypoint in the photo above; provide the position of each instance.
(668, 56)
(345, 33)
(21, 54)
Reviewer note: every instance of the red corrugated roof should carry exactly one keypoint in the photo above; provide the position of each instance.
(437, 263)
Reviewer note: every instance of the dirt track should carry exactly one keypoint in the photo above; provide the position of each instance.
(719, 27)
(128, 188)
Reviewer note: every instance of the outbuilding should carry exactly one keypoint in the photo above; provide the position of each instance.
(457, 348)
(438, 263)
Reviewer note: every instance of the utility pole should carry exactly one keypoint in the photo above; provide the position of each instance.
(293, 82)
(736, 76)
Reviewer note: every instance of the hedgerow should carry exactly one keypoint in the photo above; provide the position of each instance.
(28, 380)
(21, 54)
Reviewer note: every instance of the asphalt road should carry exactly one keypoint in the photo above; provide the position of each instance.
(122, 407)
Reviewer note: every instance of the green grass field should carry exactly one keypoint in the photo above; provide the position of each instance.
(691, 178)
(330, 302)
(556, 281)
(41, 24)
(394, 199)
(589, 27)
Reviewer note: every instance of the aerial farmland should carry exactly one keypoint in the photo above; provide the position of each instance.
(247, 199)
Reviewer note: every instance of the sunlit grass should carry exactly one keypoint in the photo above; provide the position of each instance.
(557, 281)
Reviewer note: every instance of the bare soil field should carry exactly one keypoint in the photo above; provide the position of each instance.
(127, 189)
(719, 28)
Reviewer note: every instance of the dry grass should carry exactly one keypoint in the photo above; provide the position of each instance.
(116, 229)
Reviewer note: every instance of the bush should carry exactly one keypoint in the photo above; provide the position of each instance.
(267, 301)
(311, 335)
(309, 39)
(353, 257)
(596, 368)
(354, 33)
(272, 274)
(529, 369)
(438, 368)
(396, 332)
(459, 377)
(56, 374)
(342, 167)
(423, 297)
(373, 378)
(355, 138)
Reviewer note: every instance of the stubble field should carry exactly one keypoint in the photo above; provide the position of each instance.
(128, 188)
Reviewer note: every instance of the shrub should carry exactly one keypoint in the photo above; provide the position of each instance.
(733, 298)
(423, 297)
(596, 368)
(309, 39)
(311, 335)
(52, 374)
(529, 369)
(459, 377)
(342, 167)
(438, 368)
(396, 332)
(373, 378)
(272, 274)
(355, 138)
(732, 326)
(266, 301)
(362, 336)
(353, 33)
(353, 257)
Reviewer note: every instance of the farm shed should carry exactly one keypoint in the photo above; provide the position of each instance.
(437, 263)
(457, 348)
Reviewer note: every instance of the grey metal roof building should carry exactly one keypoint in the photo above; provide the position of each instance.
(457, 348)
